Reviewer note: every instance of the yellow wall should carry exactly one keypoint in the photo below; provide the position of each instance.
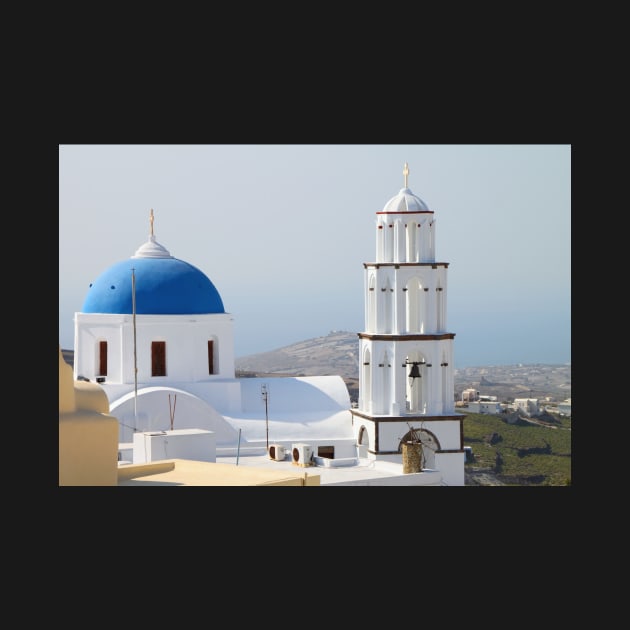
(88, 435)
(184, 472)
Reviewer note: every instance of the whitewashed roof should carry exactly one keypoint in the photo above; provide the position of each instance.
(405, 201)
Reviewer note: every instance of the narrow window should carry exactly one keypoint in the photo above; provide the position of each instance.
(158, 358)
(102, 358)
(210, 357)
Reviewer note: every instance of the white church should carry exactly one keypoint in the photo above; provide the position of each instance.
(154, 333)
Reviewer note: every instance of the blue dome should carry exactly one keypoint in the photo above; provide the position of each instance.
(163, 286)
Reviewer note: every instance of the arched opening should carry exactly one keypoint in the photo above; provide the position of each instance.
(363, 442)
(102, 359)
(386, 398)
(415, 386)
(365, 384)
(440, 309)
(414, 296)
(412, 240)
(371, 303)
(447, 401)
(400, 239)
(430, 445)
(388, 308)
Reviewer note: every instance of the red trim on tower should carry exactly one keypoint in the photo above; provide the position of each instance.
(408, 212)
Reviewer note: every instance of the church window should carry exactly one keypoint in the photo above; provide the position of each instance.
(158, 358)
(102, 358)
(210, 357)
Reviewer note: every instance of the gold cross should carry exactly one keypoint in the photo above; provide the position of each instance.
(151, 221)
(406, 173)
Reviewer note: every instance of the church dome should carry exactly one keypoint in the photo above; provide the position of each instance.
(164, 285)
(405, 201)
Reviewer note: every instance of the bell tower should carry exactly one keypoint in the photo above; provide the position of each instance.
(406, 385)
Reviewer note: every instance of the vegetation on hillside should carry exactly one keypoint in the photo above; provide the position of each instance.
(523, 453)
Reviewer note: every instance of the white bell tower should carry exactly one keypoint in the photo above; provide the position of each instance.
(406, 354)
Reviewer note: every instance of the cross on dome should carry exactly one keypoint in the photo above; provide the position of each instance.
(405, 200)
(152, 249)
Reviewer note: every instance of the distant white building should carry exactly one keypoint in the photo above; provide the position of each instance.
(485, 406)
(564, 408)
(527, 406)
(470, 394)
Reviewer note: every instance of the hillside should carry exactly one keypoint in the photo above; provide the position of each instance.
(336, 353)
(524, 453)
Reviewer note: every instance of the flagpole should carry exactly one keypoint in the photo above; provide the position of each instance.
(135, 352)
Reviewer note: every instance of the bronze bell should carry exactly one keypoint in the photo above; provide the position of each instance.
(414, 372)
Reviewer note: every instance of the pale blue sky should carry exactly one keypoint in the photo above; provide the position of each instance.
(283, 232)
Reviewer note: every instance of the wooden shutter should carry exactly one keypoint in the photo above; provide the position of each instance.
(102, 358)
(210, 357)
(158, 358)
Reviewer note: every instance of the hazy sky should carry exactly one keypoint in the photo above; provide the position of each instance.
(283, 232)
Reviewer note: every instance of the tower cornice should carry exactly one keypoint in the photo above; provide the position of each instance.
(407, 337)
(405, 212)
(376, 265)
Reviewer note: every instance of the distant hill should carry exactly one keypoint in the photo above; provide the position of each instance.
(336, 353)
